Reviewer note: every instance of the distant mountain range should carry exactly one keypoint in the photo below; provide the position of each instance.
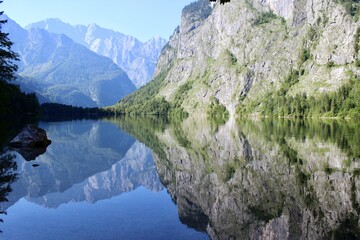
(60, 70)
(136, 58)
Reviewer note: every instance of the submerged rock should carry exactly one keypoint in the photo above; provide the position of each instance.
(30, 142)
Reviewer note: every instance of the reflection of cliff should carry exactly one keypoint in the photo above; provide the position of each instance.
(263, 180)
(79, 150)
(135, 169)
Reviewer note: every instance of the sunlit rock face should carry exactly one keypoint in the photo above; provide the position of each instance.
(243, 51)
(263, 180)
(283, 8)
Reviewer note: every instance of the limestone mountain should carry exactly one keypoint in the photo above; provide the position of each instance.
(138, 59)
(63, 71)
(257, 57)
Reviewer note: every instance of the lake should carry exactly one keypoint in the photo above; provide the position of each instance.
(152, 178)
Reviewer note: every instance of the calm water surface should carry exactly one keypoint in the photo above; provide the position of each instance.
(94, 182)
(195, 179)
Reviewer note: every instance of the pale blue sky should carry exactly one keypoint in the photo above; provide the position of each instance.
(142, 19)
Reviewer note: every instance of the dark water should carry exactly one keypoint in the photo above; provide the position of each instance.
(195, 179)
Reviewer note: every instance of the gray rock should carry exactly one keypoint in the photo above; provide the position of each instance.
(30, 142)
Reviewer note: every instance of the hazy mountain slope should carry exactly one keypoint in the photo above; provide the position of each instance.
(243, 53)
(66, 72)
(136, 58)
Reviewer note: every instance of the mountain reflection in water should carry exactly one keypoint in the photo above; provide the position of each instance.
(283, 179)
(90, 162)
(254, 179)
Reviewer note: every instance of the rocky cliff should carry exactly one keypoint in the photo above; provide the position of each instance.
(243, 52)
(138, 59)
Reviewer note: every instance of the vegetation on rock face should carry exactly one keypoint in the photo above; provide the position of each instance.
(216, 110)
(265, 18)
(357, 47)
(146, 102)
(13, 103)
(343, 103)
(352, 7)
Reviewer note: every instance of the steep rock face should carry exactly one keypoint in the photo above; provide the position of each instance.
(243, 50)
(65, 72)
(283, 8)
(138, 59)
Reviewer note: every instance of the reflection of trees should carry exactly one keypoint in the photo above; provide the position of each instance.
(345, 134)
(143, 129)
(252, 179)
(7, 176)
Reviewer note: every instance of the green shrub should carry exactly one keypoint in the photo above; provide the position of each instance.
(330, 64)
(216, 108)
(304, 55)
(181, 94)
(357, 62)
(231, 57)
(352, 7)
(265, 18)
(356, 43)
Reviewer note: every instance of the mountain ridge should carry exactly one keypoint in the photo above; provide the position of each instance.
(63, 71)
(138, 59)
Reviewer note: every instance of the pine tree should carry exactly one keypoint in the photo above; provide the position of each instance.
(8, 66)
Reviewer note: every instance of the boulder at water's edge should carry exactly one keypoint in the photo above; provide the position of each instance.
(30, 142)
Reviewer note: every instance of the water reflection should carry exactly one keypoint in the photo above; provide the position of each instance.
(135, 169)
(90, 162)
(7, 176)
(261, 179)
(282, 179)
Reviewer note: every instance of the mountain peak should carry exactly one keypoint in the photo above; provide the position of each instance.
(93, 26)
(138, 59)
(48, 24)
